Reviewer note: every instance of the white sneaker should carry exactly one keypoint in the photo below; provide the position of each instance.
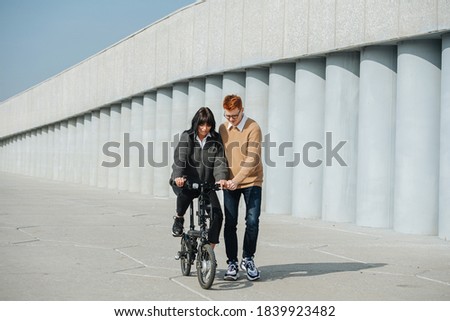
(232, 273)
(248, 265)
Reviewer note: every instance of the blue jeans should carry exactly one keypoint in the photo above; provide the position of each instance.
(252, 198)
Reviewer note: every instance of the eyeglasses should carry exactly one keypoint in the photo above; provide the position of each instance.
(232, 116)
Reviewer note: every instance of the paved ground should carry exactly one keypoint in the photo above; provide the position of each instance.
(62, 241)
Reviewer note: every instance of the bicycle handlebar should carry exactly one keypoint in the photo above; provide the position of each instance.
(205, 185)
(198, 186)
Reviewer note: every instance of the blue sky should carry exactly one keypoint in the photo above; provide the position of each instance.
(40, 38)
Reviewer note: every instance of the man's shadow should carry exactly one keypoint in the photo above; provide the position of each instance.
(283, 271)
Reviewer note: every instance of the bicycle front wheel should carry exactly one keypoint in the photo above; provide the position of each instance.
(206, 266)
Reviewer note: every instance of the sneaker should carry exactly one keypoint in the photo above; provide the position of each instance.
(177, 228)
(248, 265)
(232, 273)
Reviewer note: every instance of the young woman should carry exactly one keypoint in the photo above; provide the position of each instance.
(199, 157)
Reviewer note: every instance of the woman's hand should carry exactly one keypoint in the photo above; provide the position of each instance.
(180, 181)
(222, 183)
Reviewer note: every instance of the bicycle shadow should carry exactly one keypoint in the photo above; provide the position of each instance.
(283, 271)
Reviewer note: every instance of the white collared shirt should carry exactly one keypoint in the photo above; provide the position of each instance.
(241, 124)
(202, 142)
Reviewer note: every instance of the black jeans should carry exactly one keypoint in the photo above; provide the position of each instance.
(252, 198)
(184, 199)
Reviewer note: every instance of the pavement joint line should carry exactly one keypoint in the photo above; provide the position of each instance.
(143, 275)
(341, 256)
(36, 239)
(432, 280)
(190, 289)
(142, 263)
(23, 242)
(129, 269)
(131, 258)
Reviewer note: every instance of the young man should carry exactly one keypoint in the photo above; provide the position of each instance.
(241, 137)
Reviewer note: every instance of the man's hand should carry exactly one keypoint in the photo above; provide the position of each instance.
(231, 185)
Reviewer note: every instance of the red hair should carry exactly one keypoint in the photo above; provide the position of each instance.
(232, 102)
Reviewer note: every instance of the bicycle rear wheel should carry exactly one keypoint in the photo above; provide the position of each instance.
(185, 258)
(206, 266)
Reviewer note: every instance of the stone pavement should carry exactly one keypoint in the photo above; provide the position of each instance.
(61, 241)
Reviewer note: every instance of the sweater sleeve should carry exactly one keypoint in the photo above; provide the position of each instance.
(252, 152)
(180, 157)
(220, 163)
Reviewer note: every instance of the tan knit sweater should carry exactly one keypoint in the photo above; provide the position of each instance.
(243, 152)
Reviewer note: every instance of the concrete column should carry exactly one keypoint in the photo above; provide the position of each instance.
(43, 150)
(417, 137)
(234, 83)
(103, 135)
(341, 115)
(179, 115)
(79, 149)
(213, 97)
(93, 168)
(196, 98)
(125, 122)
(180, 101)
(51, 151)
(17, 158)
(257, 106)
(376, 137)
(257, 96)
(87, 155)
(70, 151)
(8, 155)
(22, 153)
(148, 137)
(56, 151)
(444, 183)
(308, 138)
(114, 138)
(162, 142)
(136, 149)
(11, 155)
(29, 156)
(5, 154)
(63, 137)
(2, 155)
(281, 130)
(35, 153)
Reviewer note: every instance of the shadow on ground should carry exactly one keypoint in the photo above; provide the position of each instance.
(283, 271)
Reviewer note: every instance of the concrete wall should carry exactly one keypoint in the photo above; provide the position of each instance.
(365, 81)
(213, 36)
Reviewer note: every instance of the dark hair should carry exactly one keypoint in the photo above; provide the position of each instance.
(203, 116)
